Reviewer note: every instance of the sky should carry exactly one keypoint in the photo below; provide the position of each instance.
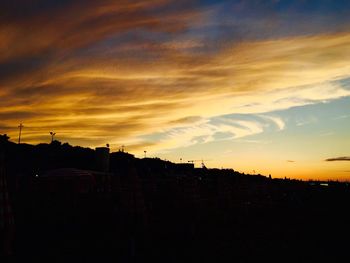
(256, 86)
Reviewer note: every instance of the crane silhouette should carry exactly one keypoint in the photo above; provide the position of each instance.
(202, 162)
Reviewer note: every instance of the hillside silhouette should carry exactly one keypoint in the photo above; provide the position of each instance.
(76, 204)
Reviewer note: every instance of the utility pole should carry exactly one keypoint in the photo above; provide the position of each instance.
(20, 133)
(145, 153)
(52, 135)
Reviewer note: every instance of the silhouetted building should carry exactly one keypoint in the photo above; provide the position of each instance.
(6, 216)
(67, 180)
(184, 167)
(102, 159)
(153, 210)
(75, 180)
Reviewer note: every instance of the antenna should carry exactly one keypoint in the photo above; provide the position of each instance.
(145, 153)
(20, 132)
(52, 135)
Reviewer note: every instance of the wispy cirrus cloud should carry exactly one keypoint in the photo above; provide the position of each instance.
(219, 128)
(98, 71)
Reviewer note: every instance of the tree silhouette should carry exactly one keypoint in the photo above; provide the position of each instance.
(4, 138)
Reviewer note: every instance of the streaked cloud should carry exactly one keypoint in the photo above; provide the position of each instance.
(344, 158)
(220, 128)
(167, 90)
(165, 74)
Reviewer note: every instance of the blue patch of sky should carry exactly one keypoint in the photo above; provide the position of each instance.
(313, 118)
(321, 137)
(257, 20)
(222, 136)
(325, 6)
(345, 83)
(326, 111)
(331, 117)
(321, 114)
(323, 129)
(236, 21)
(310, 6)
(23, 65)
(111, 45)
(313, 130)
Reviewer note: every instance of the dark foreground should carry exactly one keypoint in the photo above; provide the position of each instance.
(172, 224)
(150, 211)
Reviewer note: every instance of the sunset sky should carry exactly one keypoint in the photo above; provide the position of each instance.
(254, 85)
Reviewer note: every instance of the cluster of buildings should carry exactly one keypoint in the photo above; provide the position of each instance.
(134, 209)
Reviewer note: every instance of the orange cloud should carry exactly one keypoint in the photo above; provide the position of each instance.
(75, 70)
